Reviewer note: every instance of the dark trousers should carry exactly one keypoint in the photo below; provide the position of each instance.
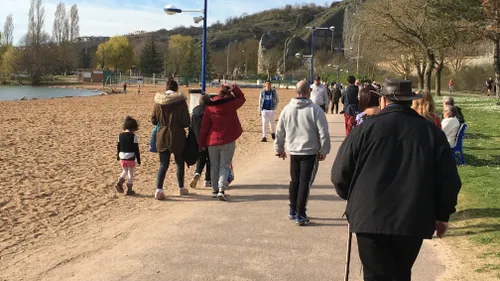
(303, 170)
(387, 257)
(335, 107)
(202, 161)
(164, 163)
(323, 106)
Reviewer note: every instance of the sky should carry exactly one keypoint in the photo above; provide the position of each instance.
(120, 17)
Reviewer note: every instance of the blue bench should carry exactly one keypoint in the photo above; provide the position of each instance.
(458, 149)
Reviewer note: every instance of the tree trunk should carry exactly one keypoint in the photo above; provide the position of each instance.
(431, 61)
(420, 72)
(497, 66)
(439, 70)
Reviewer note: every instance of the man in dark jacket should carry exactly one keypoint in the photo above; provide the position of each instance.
(351, 104)
(400, 179)
(336, 94)
(204, 159)
(220, 128)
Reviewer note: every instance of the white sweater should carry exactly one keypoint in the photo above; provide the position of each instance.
(319, 95)
(303, 127)
(450, 129)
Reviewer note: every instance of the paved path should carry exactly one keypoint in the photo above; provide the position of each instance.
(246, 238)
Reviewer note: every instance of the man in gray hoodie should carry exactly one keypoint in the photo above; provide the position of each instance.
(303, 127)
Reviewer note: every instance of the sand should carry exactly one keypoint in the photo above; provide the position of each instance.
(59, 166)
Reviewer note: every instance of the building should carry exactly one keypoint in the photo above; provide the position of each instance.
(89, 75)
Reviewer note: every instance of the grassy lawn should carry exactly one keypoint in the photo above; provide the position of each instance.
(475, 228)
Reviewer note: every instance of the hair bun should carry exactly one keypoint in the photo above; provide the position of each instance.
(128, 117)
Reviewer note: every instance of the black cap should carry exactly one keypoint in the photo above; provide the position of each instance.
(399, 90)
(317, 78)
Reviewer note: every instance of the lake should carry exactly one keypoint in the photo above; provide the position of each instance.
(18, 92)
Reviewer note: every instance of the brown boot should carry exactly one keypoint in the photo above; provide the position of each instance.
(119, 185)
(129, 190)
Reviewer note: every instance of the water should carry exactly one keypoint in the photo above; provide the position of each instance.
(18, 92)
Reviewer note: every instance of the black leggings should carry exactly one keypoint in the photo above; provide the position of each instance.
(164, 163)
(200, 164)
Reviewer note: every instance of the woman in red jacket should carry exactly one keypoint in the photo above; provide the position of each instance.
(220, 128)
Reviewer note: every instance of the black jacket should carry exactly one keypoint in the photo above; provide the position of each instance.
(398, 174)
(351, 103)
(336, 95)
(196, 118)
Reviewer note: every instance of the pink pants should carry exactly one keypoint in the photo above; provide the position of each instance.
(128, 167)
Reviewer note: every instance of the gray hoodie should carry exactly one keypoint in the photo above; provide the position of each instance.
(303, 126)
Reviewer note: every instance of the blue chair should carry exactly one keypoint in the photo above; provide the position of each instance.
(458, 149)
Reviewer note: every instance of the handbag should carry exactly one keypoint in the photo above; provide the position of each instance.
(152, 141)
(191, 152)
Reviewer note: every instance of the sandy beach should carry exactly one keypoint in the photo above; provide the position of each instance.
(59, 167)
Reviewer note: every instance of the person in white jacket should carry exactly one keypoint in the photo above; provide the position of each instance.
(303, 127)
(319, 94)
(450, 124)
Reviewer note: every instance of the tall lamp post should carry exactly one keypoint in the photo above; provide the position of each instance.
(172, 10)
(284, 55)
(340, 49)
(227, 56)
(314, 28)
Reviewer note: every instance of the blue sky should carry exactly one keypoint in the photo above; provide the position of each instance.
(117, 17)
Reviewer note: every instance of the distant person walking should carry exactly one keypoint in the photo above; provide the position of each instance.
(489, 86)
(127, 153)
(351, 104)
(204, 160)
(336, 94)
(125, 88)
(451, 85)
(303, 127)
(268, 102)
(139, 89)
(220, 128)
(171, 114)
(319, 94)
(401, 183)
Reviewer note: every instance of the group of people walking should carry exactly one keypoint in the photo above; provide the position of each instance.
(395, 167)
(215, 124)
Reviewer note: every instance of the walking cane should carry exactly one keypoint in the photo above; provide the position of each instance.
(348, 254)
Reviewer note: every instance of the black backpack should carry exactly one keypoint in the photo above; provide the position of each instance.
(191, 152)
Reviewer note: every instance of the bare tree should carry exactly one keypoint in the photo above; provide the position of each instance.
(74, 28)
(8, 30)
(36, 59)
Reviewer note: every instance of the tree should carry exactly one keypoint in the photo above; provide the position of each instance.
(11, 61)
(151, 60)
(60, 30)
(117, 54)
(270, 62)
(178, 52)
(74, 29)
(193, 64)
(414, 25)
(36, 55)
(8, 30)
(84, 59)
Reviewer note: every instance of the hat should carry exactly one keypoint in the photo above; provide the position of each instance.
(317, 78)
(399, 90)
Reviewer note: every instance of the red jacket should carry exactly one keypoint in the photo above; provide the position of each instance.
(220, 124)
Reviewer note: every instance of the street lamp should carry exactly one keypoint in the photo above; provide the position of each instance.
(227, 56)
(284, 55)
(172, 10)
(314, 28)
(339, 49)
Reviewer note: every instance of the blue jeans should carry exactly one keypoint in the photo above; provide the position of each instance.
(164, 163)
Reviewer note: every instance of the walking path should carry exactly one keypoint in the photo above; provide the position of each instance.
(247, 238)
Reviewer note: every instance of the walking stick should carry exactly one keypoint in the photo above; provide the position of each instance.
(348, 254)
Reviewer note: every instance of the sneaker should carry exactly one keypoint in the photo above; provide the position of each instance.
(273, 135)
(214, 194)
(301, 220)
(221, 196)
(195, 180)
(159, 194)
(292, 214)
(183, 191)
(208, 184)
(264, 139)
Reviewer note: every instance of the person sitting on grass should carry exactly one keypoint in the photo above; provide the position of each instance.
(204, 159)
(368, 103)
(127, 153)
(450, 124)
(449, 101)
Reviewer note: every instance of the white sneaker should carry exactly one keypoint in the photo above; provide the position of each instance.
(195, 180)
(159, 195)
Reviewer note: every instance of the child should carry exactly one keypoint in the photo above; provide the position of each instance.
(139, 89)
(127, 153)
(204, 160)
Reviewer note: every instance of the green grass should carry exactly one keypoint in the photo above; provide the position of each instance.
(478, 212)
